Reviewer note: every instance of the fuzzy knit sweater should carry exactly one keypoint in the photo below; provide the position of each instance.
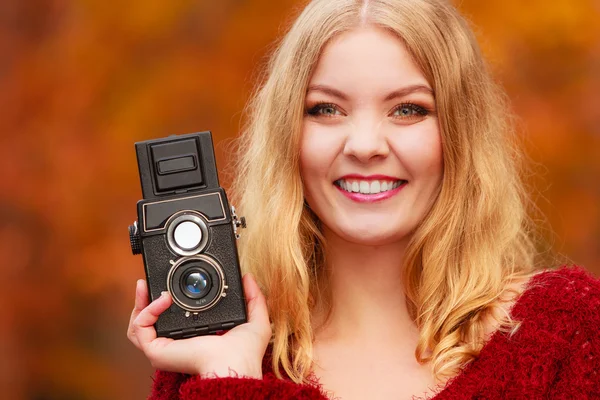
(555, 354)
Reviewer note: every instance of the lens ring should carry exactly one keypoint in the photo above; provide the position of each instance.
(192, 264)
(179, 218)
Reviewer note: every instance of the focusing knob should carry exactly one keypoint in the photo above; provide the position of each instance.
(237, 222)
(135, 239)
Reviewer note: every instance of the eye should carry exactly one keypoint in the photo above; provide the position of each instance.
(325, 109)
(410, 111)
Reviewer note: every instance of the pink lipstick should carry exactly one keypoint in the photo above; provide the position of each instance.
(369, 189)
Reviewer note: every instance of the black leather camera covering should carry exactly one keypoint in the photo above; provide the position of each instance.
(227, 313)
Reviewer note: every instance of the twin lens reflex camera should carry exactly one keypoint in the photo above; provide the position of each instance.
(186, 232)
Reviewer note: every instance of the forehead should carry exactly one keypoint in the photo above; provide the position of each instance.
(366, 59)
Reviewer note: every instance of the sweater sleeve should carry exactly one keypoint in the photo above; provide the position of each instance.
(580, 375)
(172, 386)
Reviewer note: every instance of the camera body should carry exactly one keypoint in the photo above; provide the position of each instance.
(186, 232)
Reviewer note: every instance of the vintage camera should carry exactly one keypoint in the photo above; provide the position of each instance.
(186, 232)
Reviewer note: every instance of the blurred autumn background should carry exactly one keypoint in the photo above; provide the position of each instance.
(81, 81)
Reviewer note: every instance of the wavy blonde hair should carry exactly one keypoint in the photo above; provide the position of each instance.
(475, 240)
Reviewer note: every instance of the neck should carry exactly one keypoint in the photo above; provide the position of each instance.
(367, 295)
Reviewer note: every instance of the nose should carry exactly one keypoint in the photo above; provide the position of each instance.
(365, 142)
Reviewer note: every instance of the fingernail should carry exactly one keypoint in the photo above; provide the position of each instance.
(163, 294)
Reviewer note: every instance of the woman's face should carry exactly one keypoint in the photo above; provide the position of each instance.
(371, 156)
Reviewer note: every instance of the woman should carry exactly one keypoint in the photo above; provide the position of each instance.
(387, 227)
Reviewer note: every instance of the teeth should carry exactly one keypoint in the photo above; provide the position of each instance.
(375, 187)
(364, 187)
(369, 187)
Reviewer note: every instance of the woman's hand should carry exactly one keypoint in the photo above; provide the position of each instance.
(240, 350)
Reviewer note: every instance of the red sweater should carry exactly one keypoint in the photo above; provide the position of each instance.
(555, 354)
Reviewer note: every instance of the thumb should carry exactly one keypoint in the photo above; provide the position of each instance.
(257, 304)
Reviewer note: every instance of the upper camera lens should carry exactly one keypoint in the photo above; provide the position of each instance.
(196, 283)
(187, 233)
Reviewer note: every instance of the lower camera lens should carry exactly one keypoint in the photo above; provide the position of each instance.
(196, 283)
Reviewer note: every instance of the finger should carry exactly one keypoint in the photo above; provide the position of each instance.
(143, 325)
(141, 301)
(257, 304)
(141, 296)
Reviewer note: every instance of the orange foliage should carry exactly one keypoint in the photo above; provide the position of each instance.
(82, 81)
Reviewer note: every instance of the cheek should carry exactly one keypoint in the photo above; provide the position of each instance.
(421, 153)
(309, 165)
(318, 152)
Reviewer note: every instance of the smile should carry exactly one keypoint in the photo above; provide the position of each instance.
(369, 187)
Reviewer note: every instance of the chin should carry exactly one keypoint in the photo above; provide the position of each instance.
(371, 235)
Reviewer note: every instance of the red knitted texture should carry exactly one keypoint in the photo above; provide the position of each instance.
(555, 354)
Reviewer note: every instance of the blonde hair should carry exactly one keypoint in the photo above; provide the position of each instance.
(474, 241)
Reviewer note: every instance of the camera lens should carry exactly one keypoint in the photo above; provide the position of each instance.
(196, 283)
(187, 233)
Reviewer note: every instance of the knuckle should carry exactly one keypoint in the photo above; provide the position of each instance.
(131, 336)
(136, 323)
(266, 332)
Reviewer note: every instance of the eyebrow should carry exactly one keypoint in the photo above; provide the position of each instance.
(392, 95)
